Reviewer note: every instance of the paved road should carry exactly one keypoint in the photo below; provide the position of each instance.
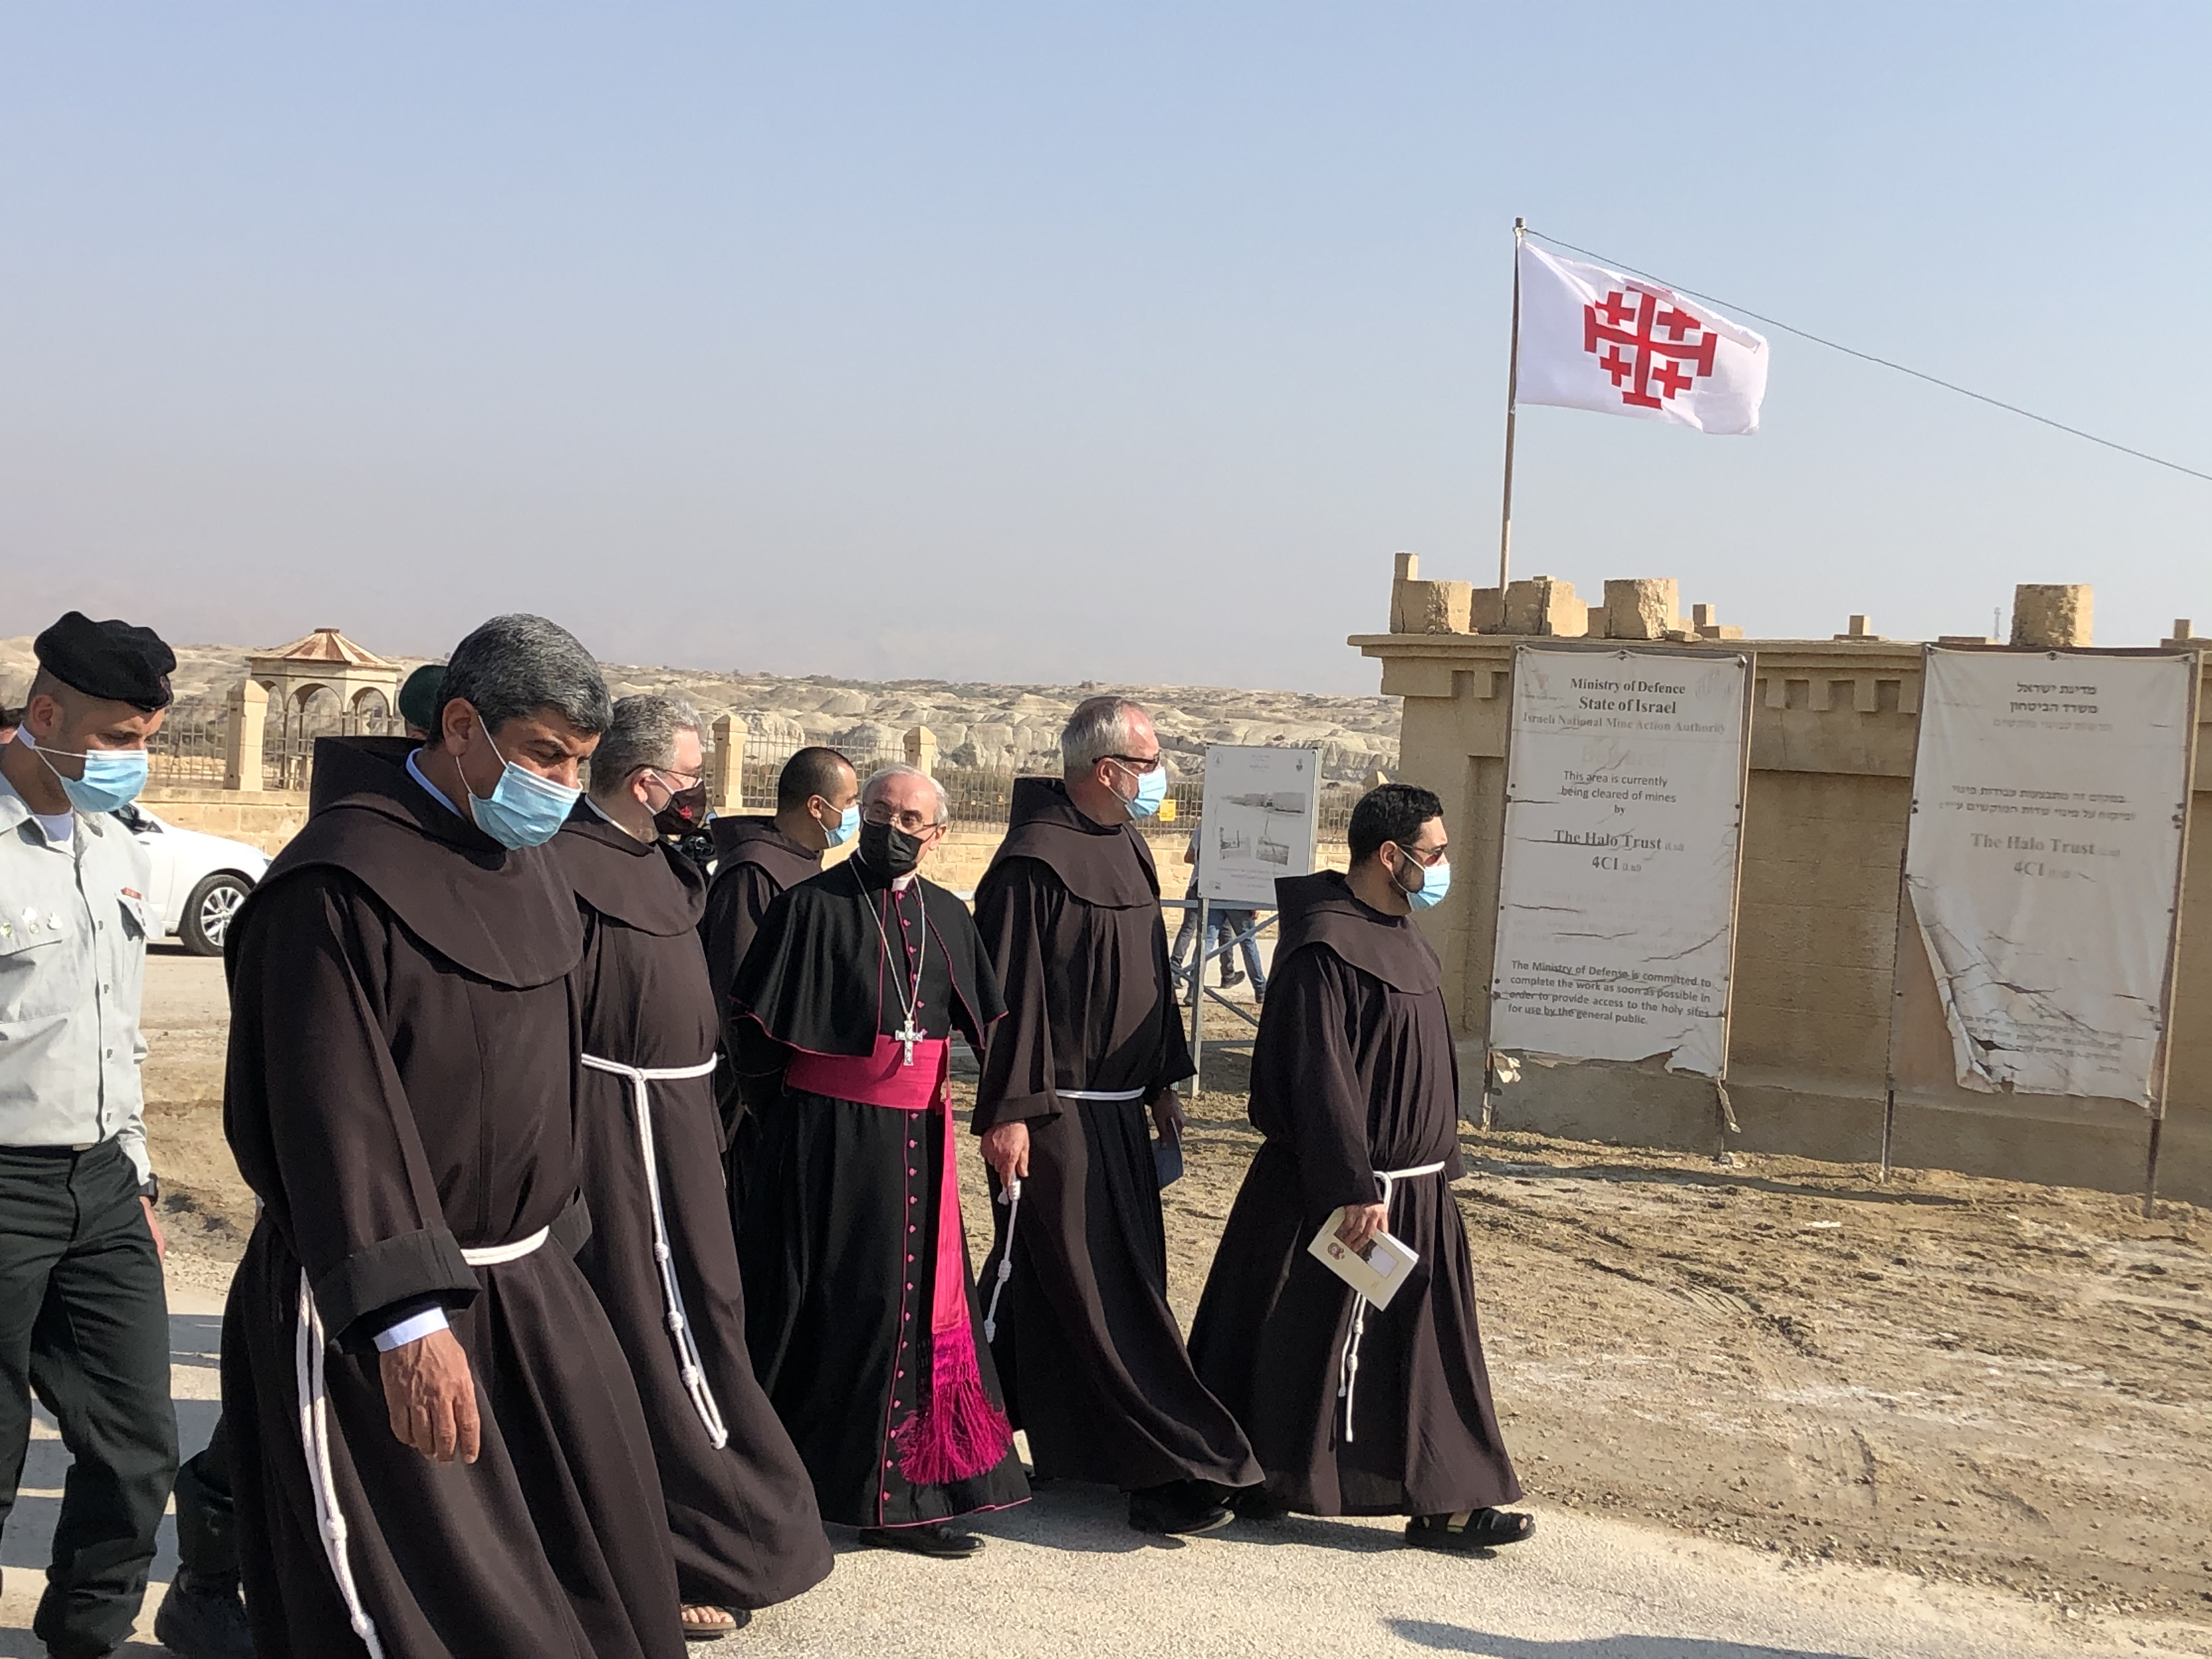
(1065, 1574)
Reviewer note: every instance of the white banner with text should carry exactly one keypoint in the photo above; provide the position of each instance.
(1624, 818)
(2043, 867)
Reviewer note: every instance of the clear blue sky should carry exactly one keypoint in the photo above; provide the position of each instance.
(1111, 341)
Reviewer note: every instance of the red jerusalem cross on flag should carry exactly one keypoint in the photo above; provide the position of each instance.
(1592, 339)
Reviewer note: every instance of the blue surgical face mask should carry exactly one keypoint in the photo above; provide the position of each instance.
(111, 780)
(846, 826)
(1152, 790)
(1435, 882)
(523, 809)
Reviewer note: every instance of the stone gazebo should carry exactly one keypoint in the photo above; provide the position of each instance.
(362, 690)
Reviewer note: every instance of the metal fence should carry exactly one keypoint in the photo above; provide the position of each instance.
(191, 747)
(983, 797)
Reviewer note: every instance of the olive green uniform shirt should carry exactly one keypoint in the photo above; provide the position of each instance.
(73, 927)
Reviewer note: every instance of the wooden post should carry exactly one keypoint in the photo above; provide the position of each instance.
(2174, 924)
(241, 743)
(1512, 397)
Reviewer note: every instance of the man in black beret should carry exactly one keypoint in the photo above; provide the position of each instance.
(418, 700)
(83, 1317)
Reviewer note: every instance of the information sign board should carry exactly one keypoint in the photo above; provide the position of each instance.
(1260, 820)
(1623, 820)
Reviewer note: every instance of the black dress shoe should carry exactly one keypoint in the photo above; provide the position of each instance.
(935, 1540)
(1257, 1504)
(202, 1617)
(1180, 1507)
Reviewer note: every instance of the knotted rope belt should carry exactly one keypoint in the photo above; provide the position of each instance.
(1347, 1376)
(641, 1080)
(309, 1344)
(1011, 1197)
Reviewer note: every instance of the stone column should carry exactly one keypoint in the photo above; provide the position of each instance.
(2046, 615)
(249, 718)
(726, 767)
(922, 749)
(1642, 608)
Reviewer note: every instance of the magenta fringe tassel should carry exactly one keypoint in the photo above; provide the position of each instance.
(957, 1433)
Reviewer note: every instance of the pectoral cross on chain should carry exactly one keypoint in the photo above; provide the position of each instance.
(908, 1037)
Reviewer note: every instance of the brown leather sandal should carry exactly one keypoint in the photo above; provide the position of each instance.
(707, 1623)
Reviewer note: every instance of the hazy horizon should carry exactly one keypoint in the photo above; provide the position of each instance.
(1013, 344)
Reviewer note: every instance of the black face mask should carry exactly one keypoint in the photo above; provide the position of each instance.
(889, 849)
(685, 811)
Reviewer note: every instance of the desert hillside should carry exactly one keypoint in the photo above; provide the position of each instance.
(996, 727)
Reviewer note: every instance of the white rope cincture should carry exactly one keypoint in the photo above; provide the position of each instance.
(498, 1256)
(1347, 1376)
(1102, 1094)
(688, 1363)
(307, 1347)
(1013, 1198)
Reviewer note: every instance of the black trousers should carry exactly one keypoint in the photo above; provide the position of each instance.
(207, 1535)
(84, 1325)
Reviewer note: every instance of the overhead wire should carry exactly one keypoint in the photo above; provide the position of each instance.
(1884, 362)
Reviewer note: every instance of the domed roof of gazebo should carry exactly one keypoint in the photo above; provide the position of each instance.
(325, 645)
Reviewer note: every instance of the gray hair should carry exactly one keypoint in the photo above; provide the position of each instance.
(516, 665)
(1099, 727)
(642, 734)
(884, 775)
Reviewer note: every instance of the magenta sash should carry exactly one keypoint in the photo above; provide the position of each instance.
(957, 1433)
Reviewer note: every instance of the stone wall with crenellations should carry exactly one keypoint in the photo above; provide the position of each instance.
(1834, 727)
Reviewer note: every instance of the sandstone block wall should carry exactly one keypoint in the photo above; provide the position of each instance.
(1834, 727)
(266, 819)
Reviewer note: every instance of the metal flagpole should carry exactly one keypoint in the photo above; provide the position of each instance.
(1198, 1002)
(1512, 395)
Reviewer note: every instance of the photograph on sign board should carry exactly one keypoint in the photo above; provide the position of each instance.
(1258, 821)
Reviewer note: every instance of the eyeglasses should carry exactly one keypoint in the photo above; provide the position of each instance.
(1139, 763)
(672, 780)
(1427, 860)
(914, 824)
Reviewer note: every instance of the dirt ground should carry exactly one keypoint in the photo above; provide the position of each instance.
(1968, 1379)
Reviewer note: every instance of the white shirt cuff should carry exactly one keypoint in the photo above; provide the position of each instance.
(412, 1330)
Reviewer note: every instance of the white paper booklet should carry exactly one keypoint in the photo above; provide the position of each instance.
(1375, 1271)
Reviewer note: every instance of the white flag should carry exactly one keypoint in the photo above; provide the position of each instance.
(1592, 339)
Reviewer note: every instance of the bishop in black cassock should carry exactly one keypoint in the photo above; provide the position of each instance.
(662, 1256)
(401, 1097)
(1353, 1409)
(1090, 1350)
(860, 1306)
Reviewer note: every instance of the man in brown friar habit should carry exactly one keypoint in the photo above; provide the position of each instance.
(818, 806)
(439, 1448)
(661, 1255)
(860, 1308)
(1354, 1409)
(1092, 1358)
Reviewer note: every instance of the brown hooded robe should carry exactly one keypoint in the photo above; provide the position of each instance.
(402, 1086)
(742, 1515)
(1352, 1074)
(1088, 1350)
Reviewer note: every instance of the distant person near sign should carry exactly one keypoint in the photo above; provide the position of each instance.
(1228, 928)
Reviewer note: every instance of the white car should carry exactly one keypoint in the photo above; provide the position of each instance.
(199, 880)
